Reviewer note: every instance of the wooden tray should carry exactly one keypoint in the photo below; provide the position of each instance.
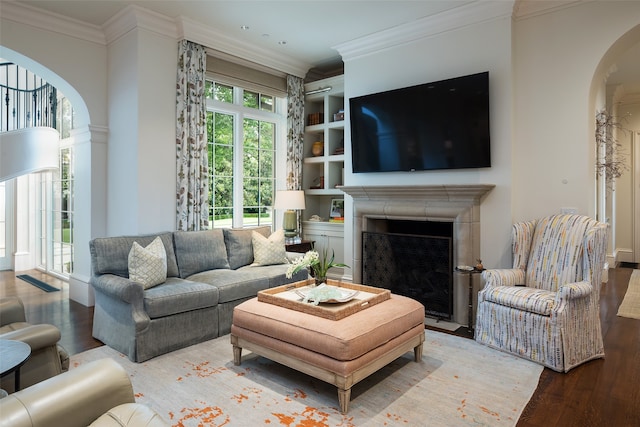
(284, 296)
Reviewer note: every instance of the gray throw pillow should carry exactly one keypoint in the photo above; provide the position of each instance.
(198, 251)
(240, 246)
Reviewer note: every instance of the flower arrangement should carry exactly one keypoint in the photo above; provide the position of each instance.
(318, 265)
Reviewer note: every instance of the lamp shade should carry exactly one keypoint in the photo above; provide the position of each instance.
(289, 199)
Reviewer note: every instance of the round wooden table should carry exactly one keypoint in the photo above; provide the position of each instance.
(13, 354)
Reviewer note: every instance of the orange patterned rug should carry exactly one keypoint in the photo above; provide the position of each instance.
(458, 382)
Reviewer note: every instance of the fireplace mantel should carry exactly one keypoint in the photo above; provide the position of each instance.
(446, 192)
(456, 203)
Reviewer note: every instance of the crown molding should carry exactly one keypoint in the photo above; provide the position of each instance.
(460, 17)
(529, 8)
(210, 38)
(49, 21)
(132, 17)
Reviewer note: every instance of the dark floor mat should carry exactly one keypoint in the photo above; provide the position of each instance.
(37, 283)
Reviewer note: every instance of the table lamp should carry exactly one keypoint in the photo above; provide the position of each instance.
(291, 200)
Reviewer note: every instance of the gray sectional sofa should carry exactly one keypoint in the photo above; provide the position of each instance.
(208, 273)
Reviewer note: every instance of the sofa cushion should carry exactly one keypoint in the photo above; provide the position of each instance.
(234, 284)
(276, 274)
(178, 296)
(148, 265)
(238, 242)
(198, 251)
(271, 250)
(110, 255)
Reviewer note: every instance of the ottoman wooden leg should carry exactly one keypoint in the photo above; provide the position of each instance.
(344, 396)
(417, 353)
(237, 351)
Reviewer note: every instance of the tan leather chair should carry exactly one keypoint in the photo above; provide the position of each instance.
(98, 394)
(47, 358)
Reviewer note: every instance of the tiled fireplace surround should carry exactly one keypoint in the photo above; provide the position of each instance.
(459, 204)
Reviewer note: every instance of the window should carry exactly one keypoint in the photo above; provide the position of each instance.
(55, 202)
(243, 129)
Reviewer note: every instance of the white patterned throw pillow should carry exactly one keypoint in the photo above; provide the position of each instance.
(148, 266)
(271, 250)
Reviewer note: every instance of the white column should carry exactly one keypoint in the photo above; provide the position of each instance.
(90, 150)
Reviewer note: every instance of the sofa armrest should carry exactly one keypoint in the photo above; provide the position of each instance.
(124, 293)
(118, 287)
(82, 395)
(11, 311)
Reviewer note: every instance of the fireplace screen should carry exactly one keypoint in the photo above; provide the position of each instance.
(416, 266)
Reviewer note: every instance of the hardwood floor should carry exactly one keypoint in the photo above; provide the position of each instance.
(73, 319)
(603, 392)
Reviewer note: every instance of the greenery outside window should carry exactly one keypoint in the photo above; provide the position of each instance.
(243, 128)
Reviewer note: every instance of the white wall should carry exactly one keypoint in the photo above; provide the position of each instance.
(473, 49)
(142, 164)
(158, 62)
(556, 58)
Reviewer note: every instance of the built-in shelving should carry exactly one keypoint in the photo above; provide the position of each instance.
(322, 174)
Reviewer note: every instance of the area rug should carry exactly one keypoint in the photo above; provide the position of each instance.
(630, 306)
(458, 382)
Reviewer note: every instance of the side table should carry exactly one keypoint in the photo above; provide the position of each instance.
(13, 354)
(469, 271)
(302, 247)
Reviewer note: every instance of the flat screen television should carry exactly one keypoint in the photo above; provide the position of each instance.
(439, 125)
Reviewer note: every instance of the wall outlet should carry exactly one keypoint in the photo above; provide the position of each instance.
(569, 210)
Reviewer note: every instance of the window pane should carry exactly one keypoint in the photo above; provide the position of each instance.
(266, 103)
(266, 164)
(251, 99)
(250, 163)
(210, 133)
(251, 133)
(208, 89)
(223, 93)
(267, 135)
(223, 158)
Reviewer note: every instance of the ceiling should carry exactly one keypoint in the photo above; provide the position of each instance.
(307, 30)
(303, 29)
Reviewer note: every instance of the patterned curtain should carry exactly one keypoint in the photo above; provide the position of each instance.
(192, 189)
(295, 135)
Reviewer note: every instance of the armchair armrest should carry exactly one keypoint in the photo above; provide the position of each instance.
(37, 336)
(11, 311)
(503, 277)
(81, 396)
(573, 290)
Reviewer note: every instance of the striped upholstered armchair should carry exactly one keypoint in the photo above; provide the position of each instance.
(546, 308)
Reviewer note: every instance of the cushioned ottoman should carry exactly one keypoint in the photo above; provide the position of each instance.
(341, 352)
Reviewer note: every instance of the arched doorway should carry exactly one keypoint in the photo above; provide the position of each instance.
(616, 88)
(38, 220)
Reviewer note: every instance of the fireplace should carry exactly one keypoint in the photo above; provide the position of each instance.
(457, 205)
(414, 259)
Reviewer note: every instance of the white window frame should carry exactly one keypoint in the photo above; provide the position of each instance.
(240, 112)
